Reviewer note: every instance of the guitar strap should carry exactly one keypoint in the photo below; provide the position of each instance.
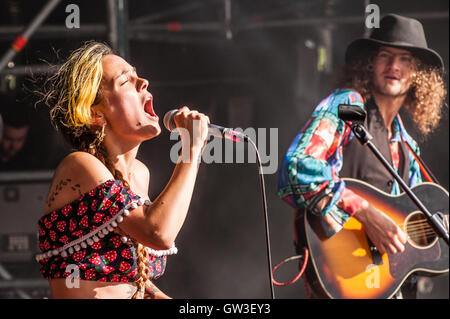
(423, 167)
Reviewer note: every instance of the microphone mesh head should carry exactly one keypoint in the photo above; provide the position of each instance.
(168, 121)
(347, 112)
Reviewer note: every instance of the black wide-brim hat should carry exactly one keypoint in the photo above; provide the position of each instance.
(398, 32)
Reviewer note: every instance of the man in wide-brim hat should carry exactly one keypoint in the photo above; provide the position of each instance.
(391, 69)
(402, 38)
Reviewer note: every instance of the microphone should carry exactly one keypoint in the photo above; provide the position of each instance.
(214, 130)
(354, 117)
(348, 112)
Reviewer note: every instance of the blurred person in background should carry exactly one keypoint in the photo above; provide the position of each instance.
(16, 127)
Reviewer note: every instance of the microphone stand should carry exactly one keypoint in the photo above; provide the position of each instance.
(364, 138)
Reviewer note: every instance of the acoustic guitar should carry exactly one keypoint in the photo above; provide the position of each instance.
(347, 264)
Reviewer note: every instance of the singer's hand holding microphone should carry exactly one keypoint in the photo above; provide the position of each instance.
(193, 129)
(214, 130)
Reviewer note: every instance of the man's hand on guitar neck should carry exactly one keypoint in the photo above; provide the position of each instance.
(381, 229)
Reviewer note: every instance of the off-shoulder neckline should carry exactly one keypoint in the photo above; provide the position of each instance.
(81, 196)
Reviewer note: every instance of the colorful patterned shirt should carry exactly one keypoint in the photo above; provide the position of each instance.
(310, 168)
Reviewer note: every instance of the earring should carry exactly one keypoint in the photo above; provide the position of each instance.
(99, 137)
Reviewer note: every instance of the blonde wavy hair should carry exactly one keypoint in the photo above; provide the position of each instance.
(425, 98)
(69, 94)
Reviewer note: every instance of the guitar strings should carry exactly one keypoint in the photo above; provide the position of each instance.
(418, 227)
(420, 221)
(420, 230)
(420, 234)
(427, 238)
(423, 239)
(417, 224)
(423, 221)
(422, 226)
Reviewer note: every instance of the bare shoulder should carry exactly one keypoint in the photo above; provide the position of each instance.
(78, 173)
(83, 168)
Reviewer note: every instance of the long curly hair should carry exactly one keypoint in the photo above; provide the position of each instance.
(70, 93)
(424, 100)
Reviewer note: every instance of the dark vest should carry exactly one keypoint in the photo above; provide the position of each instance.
(359, 162)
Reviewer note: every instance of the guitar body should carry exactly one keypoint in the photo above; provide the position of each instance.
(345, 266)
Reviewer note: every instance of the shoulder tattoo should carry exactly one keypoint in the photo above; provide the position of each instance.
(59, 187)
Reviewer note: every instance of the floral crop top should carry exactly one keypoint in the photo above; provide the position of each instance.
(80, 237)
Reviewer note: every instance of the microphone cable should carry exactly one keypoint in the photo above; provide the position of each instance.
(266, 218)
(234, 136)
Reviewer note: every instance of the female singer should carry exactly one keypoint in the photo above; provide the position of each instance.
(100, 235)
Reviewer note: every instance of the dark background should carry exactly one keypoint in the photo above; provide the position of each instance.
(268, 75)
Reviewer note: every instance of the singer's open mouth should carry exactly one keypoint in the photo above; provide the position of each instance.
(148, 108)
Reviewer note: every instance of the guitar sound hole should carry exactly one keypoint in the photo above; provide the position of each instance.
(420, 233)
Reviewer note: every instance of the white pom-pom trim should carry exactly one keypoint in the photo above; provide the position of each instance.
(159, 253)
